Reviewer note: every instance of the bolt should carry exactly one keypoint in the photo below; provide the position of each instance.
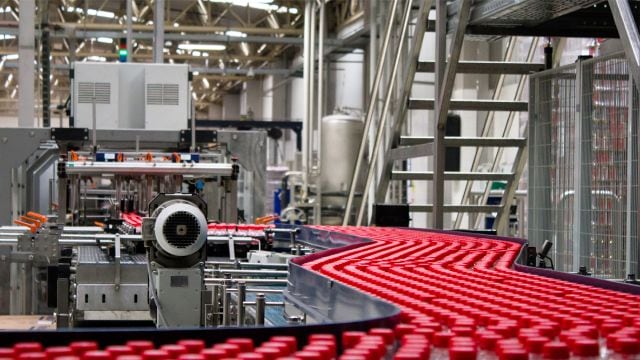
(234, 137)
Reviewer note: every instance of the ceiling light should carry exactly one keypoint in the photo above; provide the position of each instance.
(13, 93)
(7, 37)
(205, 47)
(175, 24)
(234, 33)
(97, 58)
(105, 40)
(92, 12)
(5, 10)
(196, 53)
(205, 82)
(245, 48)
(11, 57)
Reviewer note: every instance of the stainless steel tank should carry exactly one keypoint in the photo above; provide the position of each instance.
(341, 136)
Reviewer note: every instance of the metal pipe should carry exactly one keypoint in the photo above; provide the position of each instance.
(226, 303)
(218, 280)
(226, 263)
(385, 109)
(260, 305)
(255, 290)
(306, 76)
(370, 110)
(253, 272)
(242, 295)
(129, 29)
(158, 32)
(267, 303)
(322, 33)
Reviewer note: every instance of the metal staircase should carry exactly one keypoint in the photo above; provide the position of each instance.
(398, 148)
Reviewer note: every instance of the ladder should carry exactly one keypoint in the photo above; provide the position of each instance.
(398, 148)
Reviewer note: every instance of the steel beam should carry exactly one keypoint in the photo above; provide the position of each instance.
(486, 67)
(455, 208)
(453, 176)
(472, 105)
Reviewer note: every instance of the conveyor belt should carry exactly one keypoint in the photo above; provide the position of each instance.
(467, 286)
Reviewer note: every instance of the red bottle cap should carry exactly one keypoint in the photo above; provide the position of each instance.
(213, 354)
(155, 355)
(32, 356)
(129, 357)
(118, 350)
(441, 339)
(81, 347)
(232, 349)
(140, 346)
(406, 355)
(193, 346)
(404, 329)
(514, 354)
(462, 352)
(329, 337)
(281, 347)
(585, 347)
(7, 352)
(269, 353)
(324, 351)
(487, 341)
(96, 355)
(330, 344)
(291, 341)
(388, 336)
(250, 356)
(627, 346)
(58, 351)
(245, 344)
(174, 350)
(535, 344)
(308, 355)
(555, 350)
(24, 347)
(72, 357)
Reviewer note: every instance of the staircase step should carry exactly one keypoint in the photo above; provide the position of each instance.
(486, 67)
(472, 105)
(456, 208)
(410, 152)
(466, 141)
(451, 175)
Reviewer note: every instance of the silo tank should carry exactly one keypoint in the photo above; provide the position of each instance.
(341, 136)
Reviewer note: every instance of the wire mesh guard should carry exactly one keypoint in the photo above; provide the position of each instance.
(583, 157)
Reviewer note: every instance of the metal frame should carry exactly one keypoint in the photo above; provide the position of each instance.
(18, 144)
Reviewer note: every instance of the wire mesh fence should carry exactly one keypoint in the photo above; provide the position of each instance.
(583, 181)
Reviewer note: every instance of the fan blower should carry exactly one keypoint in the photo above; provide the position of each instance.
(175, 237)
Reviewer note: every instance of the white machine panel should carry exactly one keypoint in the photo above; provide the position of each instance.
(131, 95)
(166, 97)
(97, 82)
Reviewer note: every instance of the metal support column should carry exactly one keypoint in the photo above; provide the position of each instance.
(322, 33)
(45, 42)
(26, 53)
(129, 29)
(306, 77)
(582, 166)
(628, 32)
(158, 32)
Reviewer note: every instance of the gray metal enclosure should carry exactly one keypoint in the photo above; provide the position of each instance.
(583, 166)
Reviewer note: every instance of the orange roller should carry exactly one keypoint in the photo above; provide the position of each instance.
(31, 227)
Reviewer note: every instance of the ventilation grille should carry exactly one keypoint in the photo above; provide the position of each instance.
(101, 91)
(163, 94)
(181, 229)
